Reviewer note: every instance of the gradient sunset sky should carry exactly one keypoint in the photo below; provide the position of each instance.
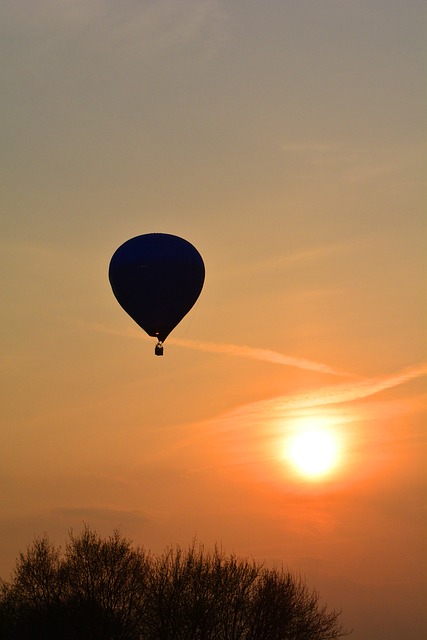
(286, 139)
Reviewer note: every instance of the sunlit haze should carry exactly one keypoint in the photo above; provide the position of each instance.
(286, 421)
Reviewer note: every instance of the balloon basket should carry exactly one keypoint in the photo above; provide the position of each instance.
(158, 349)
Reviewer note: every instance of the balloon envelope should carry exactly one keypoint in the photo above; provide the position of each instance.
(157, 278)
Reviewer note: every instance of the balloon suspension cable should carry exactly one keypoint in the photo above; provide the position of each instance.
(158, 350)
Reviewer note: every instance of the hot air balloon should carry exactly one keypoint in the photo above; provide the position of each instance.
(157, 278)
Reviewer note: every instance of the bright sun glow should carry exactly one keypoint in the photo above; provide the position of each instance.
(313, 449)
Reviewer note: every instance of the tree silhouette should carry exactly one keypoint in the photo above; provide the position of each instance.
(105, 589)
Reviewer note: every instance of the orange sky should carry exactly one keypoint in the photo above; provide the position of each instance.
(286, 141)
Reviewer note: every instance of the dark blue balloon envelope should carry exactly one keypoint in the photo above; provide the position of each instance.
(157, 278)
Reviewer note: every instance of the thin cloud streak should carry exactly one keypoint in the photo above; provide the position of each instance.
(239, 351)
(256, 353)
(299, 258)
(337, 394)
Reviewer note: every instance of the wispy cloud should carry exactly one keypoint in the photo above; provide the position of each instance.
(355, 389)
(234, 350)
(330, 395)
(291, 259)
(257, 353)
(354, 164)
(161, 25)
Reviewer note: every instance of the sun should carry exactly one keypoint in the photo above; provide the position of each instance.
(313, 449)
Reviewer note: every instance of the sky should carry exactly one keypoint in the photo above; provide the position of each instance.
(285, 139)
